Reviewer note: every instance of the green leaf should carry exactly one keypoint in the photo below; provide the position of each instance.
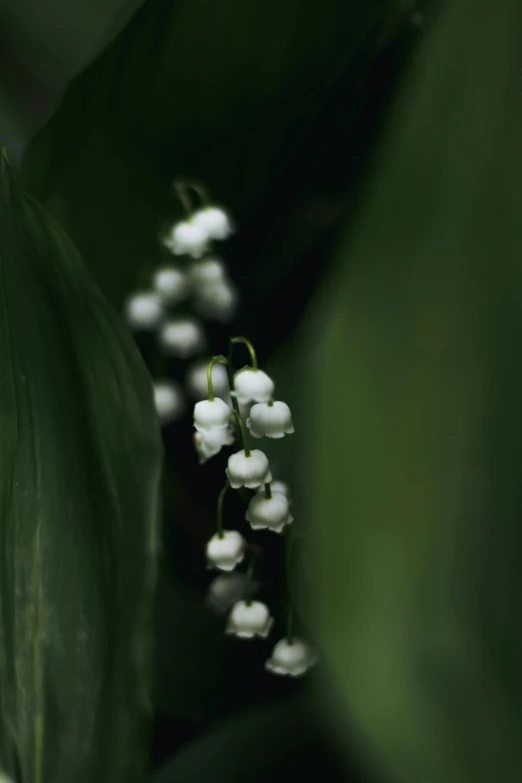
(280, 741)
(55, 41)
(79, 472)
(416, 496)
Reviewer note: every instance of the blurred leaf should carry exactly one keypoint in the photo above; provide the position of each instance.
(416, 495)
(55, 40)
(80, 463)
(279, 742)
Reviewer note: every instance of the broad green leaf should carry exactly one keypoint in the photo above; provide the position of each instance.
(79, 471)
(43, 47)
(279, 742)
(416, 495)
(55, 40)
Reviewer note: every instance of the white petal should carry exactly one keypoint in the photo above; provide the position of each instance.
(291, 659)
(197, 383)
(214, 221)
(182, 337)
(225, 551)
(270, 420)
(170, 284)
(211, 414)
(249, 619)
(168, 399)
(143, 310)
(225, 590)
(250, 472)
(187, 238)
(253, 385)
(209, 271)
(218, 301)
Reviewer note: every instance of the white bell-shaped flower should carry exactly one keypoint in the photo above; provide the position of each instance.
(280, 486)
(208, 271)
(271, 513)
(252, 385)
(187, 238)
(226, 589)
(197, 379)
(218, 301)
(211, 414)
(143, 310)
(291, 658)
(171, 284)
(270, 420)
(249, 619)
(248, 471)
(182, 337)
(214, 221)
(168, 399)
(225, 551)
(210, 443)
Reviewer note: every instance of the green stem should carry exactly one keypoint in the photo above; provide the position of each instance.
(289, 610)
(290, 625)
(244, 341)
(215, 360)
(230, 375)
(268, 491)
(181, 191)
(200, 191)
(248, 582)
(221, 498)
(241, 432)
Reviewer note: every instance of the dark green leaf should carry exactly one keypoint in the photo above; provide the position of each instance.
(79, 473)
(55, 40)
(416, 493)
(276, 742)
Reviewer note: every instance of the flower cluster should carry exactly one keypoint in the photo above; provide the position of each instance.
(191, 285)
(246, 404)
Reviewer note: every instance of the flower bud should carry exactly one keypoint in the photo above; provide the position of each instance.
(270, 420)
(248, 471)
(225, 551)
(170, 284)
(168, 400)
(187, 238)
(182, 337)
(248, 620)
(253, 385)
(291, 658)
(143, 310)
(211, 414)
(214, 221)
(271, 513)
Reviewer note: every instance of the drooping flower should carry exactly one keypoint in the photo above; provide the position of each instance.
(249, 619)
(225, 550)
(250, 470)
(291, 658)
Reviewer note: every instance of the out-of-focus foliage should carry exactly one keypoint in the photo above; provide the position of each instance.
(54, 40)
(416, 495)
(280, 742)
(43, 47)
(79, 476)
